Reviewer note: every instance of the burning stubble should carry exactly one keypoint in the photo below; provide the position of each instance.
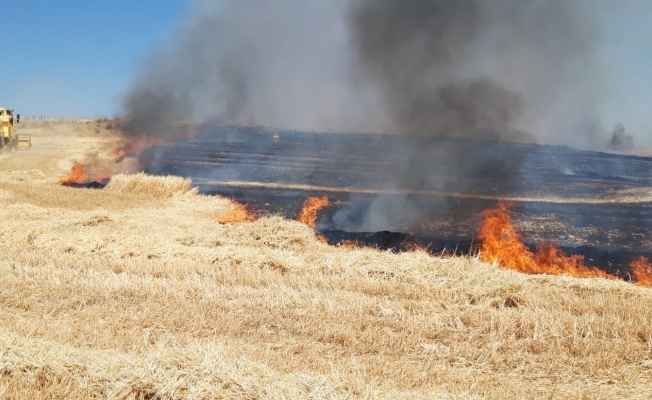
(501, 244)
(310, 208)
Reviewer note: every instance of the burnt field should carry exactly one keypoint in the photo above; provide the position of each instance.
(434, 188)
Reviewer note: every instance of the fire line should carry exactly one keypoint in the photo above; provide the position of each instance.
(502, 244)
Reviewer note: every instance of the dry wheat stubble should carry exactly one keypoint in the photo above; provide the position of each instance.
(137, 291)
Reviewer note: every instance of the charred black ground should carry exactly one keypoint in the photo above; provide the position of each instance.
(87, 185)
(274, 171)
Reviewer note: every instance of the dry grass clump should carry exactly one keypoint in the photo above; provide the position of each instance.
(35, 368)
(160, 187)
(167, 279)
(138, 292)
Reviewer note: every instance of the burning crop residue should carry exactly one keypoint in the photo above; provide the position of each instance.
(96, 172)
(77, 174)
(310, 208)
(79, 177)
(502, 244)
(641, 271)
(348, 244)
(238, 213)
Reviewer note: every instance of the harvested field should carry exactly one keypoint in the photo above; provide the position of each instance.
(138, 291)
(569, 197)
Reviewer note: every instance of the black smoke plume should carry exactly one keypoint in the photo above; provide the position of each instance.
(508, 69)
(488, 70)
(501, 69)
(619, 140)
(485, 70)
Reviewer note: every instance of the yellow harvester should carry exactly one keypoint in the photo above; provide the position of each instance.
(8, 137)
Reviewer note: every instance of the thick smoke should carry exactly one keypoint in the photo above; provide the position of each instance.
(492, 70)
(413, 52)
(278, 63)
(507, 69)
(427, 69)
(619, 140)
(502, 69)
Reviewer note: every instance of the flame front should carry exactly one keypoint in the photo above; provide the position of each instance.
(78, 174)
(500, 243)
(310, 208)
(641, 271)
(238, 213)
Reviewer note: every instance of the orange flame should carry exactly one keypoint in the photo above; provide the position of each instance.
(321, 238)
(641, 271)
(310, 208)
(500, 243)
(239, 213)
(642, 153)
(411, 243)
(78, 174)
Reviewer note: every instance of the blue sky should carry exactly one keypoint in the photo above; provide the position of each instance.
(77, 57)
(625, 48)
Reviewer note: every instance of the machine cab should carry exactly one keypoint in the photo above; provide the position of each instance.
(8, 137)
(6, 116)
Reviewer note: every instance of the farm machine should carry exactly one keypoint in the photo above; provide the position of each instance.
(8, 137)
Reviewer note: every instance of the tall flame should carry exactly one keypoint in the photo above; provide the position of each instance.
(500, 243)
(641, 271)
(238, 213)
(310, 208)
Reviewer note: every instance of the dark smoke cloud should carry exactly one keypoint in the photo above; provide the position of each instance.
(428, 69)
(505, 69)
(619, 140)
(519, 70)
(412, 50)
(483, 69)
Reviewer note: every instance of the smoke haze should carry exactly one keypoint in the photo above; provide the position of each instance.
(619, 140)
(518, 70)
(427, 69)
(494, 69)
(279, 63)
